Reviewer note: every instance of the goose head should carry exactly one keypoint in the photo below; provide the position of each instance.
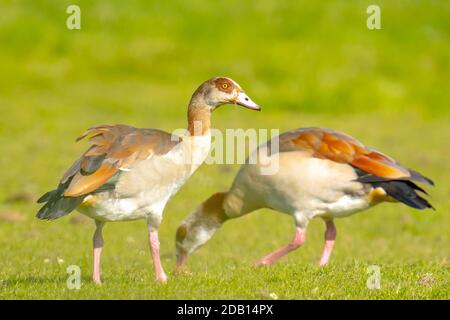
(199, 227)
(191, 235)
(219, 91)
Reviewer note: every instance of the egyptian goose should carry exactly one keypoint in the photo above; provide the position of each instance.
(130, 173)
(321, 173)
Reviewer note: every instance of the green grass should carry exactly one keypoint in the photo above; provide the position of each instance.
(307, 64)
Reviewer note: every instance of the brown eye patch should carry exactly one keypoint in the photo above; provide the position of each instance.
(224, 85)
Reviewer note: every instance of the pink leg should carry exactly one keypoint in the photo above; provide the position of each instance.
(298, 240)
(98, 246)
(154, 247)
(330, 236)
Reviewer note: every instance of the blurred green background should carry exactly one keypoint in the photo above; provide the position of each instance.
(308, 63)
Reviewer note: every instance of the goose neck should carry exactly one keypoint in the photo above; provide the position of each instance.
(199, 119)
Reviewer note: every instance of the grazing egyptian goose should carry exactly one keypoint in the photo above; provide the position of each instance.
(321, 173)
(130, 173)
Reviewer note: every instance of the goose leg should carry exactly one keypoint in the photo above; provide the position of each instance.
(297, 241)
(330, 236)
(98, 246)
(154, 248)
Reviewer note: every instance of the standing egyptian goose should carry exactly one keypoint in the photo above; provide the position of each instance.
(320, 173)
(130, 173)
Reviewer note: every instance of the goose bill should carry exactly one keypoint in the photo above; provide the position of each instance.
(244, 101)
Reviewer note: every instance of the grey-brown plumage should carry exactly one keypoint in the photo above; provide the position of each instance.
(114, 147)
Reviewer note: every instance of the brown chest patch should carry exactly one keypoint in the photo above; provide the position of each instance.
(181, 233)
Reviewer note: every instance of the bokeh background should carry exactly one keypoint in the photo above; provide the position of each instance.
(308, 63)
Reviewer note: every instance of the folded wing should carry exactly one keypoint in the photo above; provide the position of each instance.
(373, 167)
(114, 148)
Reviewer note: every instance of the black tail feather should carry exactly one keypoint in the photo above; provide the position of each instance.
(416, 176)
(415, 186)
(400, 189)
(404, 191)
(57, 205)
(47, 196)
(57, 208)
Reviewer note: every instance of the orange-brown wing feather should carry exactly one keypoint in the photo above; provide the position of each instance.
(81, 185)
(114, 147)
(339, 147)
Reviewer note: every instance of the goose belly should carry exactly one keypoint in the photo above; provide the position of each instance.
(306, 187)
(110, 207)
(345, 206)
(310, 206)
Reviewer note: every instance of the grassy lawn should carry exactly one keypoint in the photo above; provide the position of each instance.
(307, 64)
